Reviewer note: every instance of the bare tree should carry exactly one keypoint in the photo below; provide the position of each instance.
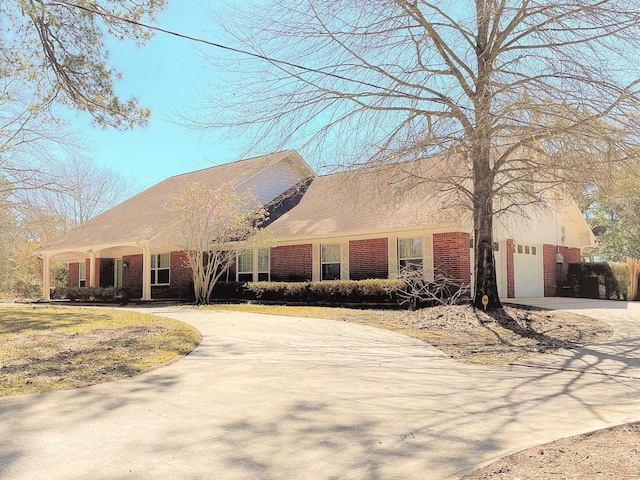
(82, 190)
(513, 97)
(212, 227)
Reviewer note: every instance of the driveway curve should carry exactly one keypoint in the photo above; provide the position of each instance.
(269, 397)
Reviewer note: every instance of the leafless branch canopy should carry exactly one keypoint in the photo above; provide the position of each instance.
(553, 85)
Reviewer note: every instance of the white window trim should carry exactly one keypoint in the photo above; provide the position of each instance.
(421, 257)
(255, 264)
(340, 263)
(82, 273)
(256, 261)
(156, 269)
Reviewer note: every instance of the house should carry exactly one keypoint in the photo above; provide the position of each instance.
(355, 225)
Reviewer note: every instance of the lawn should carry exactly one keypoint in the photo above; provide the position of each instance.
(46, 348)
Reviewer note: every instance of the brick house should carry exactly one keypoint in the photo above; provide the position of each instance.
(354, 225)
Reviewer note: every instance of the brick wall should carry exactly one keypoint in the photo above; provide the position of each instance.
(292, 263)
(451, 255)
(553, 270)
(132, 275)
(368, 259)
(74, 275)
(511, 286)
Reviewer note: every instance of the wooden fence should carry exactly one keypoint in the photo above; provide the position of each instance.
(634, 268)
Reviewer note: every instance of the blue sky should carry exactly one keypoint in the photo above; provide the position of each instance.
(165, 76)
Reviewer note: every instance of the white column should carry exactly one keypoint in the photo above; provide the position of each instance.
(92, 269)
(392, 252)
(146, 272)
(46, 278)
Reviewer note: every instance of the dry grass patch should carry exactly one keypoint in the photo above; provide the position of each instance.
(466, 334)
(52, 348)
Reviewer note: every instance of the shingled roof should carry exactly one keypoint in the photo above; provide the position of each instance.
(379, 199)
(143, 217)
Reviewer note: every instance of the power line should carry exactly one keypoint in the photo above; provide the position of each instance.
(228, 48)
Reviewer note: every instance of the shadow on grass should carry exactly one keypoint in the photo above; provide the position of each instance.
(22, 319)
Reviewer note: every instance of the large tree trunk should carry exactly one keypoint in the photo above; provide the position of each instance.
(484, 269)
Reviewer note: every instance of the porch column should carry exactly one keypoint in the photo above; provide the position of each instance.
(46, 278)
(92, 269)
(146, 272)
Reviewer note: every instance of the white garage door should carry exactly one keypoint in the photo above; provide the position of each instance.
(526, 262)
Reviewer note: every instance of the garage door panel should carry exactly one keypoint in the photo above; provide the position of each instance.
(526, 270)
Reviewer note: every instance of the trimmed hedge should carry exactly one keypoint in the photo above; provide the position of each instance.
(586, 279)
(339, 291)
(91, 294)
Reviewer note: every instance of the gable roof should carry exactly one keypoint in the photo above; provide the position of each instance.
(378, 199)
(143, 216)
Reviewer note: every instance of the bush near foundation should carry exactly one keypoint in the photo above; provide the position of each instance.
(604, 280)
(91, 294)
(338, 291)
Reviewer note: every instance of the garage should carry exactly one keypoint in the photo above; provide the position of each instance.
(526, 260)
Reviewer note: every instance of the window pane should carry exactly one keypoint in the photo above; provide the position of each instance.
(263, 277)
(533, 250)
(164, 260)
(331, 271)
(245, 262)
(153, 277)
(410, 248)
(330, 253)
(263, 260)
(526, 249)
(163, 275)
(414, 264)
(519, 248)
(245, 277)
(83, 271)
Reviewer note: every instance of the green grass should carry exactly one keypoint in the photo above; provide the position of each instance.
(51, 348)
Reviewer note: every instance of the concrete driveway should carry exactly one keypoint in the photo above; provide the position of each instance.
(267, 397)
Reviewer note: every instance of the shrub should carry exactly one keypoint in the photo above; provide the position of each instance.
(587, 278)
(91, 294)
(338, 291)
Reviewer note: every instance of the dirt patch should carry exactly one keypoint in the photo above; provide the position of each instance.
(488, 338)
(612, 453)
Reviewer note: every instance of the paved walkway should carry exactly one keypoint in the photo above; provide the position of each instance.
(267, 397)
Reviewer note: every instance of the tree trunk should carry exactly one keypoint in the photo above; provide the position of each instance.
(485, 268)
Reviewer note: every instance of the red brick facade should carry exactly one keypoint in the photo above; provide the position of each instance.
(74, 275)
(292, 263)
(132, 274)
(451, 255)
(554, 272)
(368, 259)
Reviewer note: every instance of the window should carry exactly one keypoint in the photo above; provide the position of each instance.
(410, 253)
(82, 274)
(160, 268)
(263, 264)
(526, 249)
(330, 258)
(245, 266)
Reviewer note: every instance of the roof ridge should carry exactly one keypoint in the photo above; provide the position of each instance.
(235, 162)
